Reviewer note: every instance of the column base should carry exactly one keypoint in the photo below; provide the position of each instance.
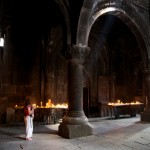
(75, 131)
(145, 116)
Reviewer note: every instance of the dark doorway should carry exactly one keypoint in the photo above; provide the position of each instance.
(86, 97)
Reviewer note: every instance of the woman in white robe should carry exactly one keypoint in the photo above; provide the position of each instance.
(28, 119)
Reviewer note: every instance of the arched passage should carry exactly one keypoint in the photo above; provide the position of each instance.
(134, 57)
(114, 61)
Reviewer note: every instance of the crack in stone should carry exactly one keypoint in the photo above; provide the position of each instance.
(128, 146)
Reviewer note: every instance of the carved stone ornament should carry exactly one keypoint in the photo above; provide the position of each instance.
(78, 52)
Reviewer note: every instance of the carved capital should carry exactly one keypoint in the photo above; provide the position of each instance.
(77, 52)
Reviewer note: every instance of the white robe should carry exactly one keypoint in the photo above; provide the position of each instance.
(29, 126)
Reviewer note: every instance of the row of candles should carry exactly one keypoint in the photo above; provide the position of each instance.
(49, 104)
(119, 102)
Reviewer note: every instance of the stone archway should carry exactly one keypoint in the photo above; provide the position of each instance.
(64, 11)
(124, 10)
(127, 12)
(114, 53)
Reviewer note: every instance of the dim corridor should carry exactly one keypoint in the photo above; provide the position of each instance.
(108, 134)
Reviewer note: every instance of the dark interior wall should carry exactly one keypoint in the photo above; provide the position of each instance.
(31, 62)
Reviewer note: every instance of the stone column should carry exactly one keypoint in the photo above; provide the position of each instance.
(75, 123)
(145, 116)
(112, 87)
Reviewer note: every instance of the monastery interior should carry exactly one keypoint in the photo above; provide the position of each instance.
(73, 52)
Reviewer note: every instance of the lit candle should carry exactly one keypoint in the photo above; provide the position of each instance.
(34, 106)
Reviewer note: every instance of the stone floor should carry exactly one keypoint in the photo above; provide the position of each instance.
(109, 134)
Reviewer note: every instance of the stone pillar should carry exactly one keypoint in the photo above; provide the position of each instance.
(145, 116)
(75, 123)
(112, 88)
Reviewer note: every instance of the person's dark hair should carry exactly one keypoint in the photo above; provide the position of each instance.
(27, 102)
